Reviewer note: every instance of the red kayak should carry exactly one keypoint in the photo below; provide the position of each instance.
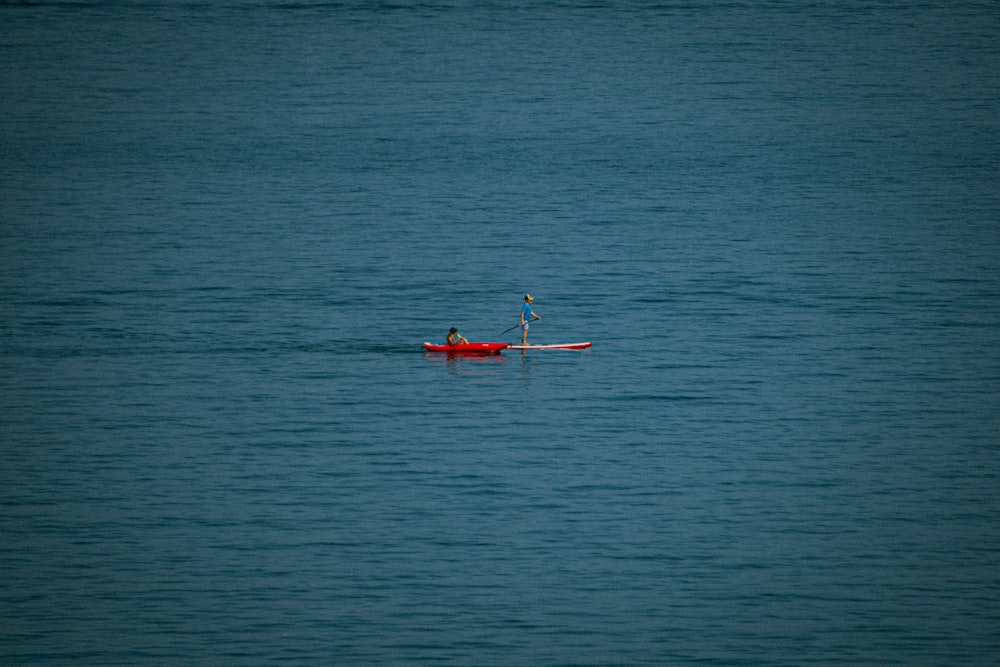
(467, 348)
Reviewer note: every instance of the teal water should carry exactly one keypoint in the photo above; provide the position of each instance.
(227, 228)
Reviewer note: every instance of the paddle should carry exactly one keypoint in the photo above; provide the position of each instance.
(518, 326)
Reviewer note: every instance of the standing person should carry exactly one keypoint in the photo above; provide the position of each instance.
(455, 338)
(527, 315)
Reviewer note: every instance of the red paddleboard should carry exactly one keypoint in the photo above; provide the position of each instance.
(467, 348)
(561, 346)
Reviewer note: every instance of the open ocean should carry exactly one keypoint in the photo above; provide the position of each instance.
(227, 227)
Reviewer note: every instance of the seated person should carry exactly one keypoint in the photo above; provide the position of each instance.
(455, 338)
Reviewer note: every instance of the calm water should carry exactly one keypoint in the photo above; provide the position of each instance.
(226, 228)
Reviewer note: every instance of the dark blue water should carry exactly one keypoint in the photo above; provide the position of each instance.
(226, 229)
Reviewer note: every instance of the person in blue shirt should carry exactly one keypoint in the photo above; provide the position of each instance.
(527, 315)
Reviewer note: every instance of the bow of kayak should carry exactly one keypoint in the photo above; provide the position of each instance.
(467, 348)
